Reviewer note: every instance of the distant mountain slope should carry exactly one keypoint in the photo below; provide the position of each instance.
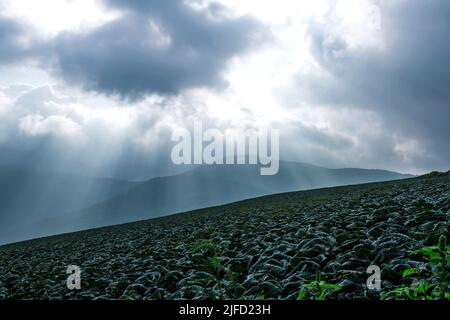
(37, 204)
(212, 185)
(294, 176)
(27, 197)
(161, 196)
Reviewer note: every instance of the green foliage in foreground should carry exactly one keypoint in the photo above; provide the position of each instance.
(421, 289)
(318, 290)
(214, 264)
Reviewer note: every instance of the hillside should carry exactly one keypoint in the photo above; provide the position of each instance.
(27, 198)
(294, 176)
(269, 247)
(214, 185)
(35, 204)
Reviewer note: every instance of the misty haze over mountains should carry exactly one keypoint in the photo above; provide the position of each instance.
(34, 204)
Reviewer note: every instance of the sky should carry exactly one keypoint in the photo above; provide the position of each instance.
(98, 86)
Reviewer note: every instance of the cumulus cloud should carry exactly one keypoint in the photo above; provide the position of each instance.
(12, 41)
(153, 47)
(43, 127)
(36, 125)
(405, 78)
(342, 93)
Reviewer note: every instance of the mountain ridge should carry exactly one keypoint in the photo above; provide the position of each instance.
(201, 187)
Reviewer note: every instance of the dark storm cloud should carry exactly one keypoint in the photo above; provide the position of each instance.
(408, 82)
(155, 47)
(11, 49)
